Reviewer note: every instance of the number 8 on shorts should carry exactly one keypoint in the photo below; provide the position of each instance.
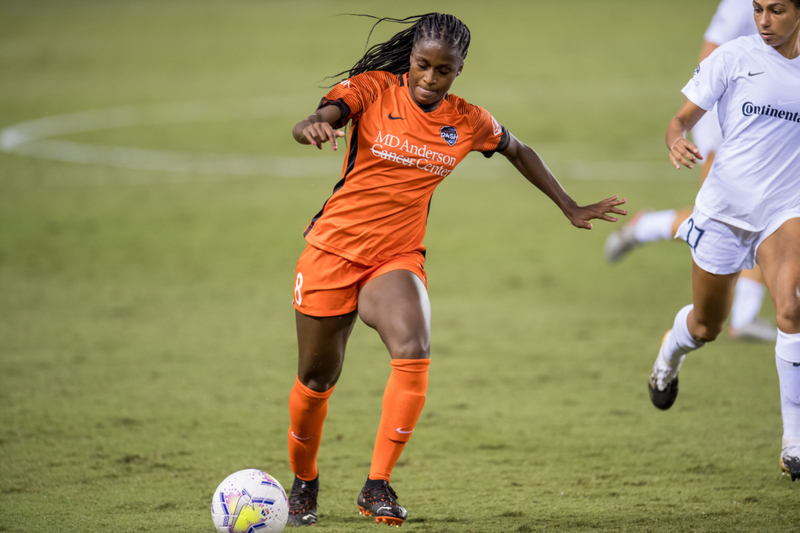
(298, 284)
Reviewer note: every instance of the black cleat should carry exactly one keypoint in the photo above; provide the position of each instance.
(303, 502)
(663, 382)
(379, 500)
(791, 466)
(663, 399)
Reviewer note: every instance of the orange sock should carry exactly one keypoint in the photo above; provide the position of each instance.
(307, 410)
(402, 404)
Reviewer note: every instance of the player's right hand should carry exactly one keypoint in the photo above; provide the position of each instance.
(685, 153)
(581, 215)
(320, 132)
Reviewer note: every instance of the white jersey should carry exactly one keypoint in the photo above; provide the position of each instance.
(733, 19)
(757, 170)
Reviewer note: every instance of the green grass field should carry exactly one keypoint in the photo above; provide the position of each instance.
(147, 343)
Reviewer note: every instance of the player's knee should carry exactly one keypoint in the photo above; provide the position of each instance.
(707, 331)
(317, 381)
(412, 348)
(787, 311)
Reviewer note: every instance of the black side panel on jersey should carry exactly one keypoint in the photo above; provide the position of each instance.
(429, 210)
(351, 162)
(343, 107)
(505, 139)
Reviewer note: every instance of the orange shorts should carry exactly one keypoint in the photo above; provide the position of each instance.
(328, 285)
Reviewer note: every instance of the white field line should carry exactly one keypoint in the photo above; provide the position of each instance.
(165, 160)
(34, 139)
(155, 114)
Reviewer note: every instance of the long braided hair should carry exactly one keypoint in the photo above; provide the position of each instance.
(393, 55)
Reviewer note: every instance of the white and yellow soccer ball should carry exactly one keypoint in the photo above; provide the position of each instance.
(249, 501)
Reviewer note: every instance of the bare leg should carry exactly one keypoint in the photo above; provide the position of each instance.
(712, 295)
(321, 345)
(396, 305)
(779, 257)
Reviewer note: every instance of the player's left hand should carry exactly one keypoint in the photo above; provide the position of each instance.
(581, 215)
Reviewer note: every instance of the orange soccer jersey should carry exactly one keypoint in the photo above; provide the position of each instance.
(397, 155)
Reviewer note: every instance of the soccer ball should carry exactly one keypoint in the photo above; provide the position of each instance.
(249, 501)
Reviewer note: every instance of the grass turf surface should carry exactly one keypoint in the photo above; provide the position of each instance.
(146, 338)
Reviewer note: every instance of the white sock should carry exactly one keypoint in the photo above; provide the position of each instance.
(656, 226)
(786, 443)
(787, 359)
(788, 347)
(679, 342)
(747, 302)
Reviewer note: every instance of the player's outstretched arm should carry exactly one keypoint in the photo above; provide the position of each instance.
(533, 168)
(318, 128)
(681, 150)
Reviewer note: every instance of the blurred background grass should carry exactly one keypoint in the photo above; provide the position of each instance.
(147, 341)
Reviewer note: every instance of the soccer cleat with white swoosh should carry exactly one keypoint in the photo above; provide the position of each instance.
(303, 502)
(380, 500)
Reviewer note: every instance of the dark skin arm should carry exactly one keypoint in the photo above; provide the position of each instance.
(317, 128)
(535, 171)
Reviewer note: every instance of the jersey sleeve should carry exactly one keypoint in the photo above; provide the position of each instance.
(710, 80)
(733, 19)
(488, 136)
(353, 96)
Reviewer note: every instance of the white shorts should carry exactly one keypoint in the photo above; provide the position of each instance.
(707, 135)
(719, 248)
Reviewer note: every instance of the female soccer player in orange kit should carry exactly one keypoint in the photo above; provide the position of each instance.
(365, 256)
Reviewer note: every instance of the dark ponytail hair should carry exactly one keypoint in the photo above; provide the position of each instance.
(393, 55)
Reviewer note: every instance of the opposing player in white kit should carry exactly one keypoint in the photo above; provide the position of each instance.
(748, 208)
(733, 19)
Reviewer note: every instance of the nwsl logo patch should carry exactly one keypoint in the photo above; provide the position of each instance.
(449, 134)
